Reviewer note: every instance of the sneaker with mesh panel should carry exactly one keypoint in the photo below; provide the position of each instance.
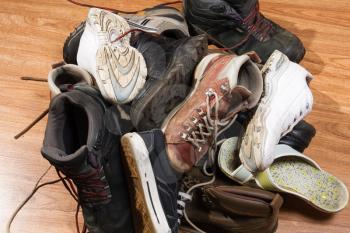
(82, 141)
(104, 50)
(225, 85)
(153, 182)
(287, 100)
(239, 25)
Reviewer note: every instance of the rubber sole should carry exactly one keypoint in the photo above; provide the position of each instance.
(148, 214)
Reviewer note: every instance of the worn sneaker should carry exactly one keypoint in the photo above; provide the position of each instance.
(225, 85)
(162, 20)
(171, 64)
(287, 100)
(65, 77)
(239, 25)
(104, 50)
(82, 141)
(153, 182)
(165, 21)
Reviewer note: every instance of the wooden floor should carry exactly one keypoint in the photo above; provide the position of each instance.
(32, 33)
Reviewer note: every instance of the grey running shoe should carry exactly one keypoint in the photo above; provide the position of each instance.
(165, 21)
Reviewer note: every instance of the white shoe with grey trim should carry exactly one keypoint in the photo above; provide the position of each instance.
(287, 100)
(119, 70)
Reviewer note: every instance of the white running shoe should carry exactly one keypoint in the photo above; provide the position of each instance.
(163, 21)
(66, 76)
(119, 69)
(287, 100)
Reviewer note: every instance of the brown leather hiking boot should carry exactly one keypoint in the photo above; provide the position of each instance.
(225, 85)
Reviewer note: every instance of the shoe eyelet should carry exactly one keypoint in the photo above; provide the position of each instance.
(184, 136)
(194, 120)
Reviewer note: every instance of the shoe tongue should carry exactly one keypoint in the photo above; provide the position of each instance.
(243, 7)
(58, 157)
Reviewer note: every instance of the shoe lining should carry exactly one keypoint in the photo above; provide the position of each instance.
(71, 127)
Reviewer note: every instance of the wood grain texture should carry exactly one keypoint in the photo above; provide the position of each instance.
(32, 33)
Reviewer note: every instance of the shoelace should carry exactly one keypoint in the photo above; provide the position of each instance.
(209, 129)
(91, 186)
(200, 136)
(256, 24)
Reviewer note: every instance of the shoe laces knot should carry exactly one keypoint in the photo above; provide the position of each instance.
(257, 25)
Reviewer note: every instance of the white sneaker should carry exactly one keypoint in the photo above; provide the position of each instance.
(66, 76)
(119, 69)
(287, 100)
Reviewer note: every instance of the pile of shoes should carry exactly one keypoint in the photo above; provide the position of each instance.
(152, 132)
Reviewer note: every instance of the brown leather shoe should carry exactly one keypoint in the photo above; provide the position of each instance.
(225, 85)
(225, 208)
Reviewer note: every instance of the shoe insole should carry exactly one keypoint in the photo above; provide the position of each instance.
(320, 188)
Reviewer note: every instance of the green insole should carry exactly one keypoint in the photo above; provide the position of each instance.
(317, 186)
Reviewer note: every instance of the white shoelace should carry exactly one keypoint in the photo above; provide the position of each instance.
(210, 127)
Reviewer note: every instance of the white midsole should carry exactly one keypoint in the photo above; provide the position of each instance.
(146, 175)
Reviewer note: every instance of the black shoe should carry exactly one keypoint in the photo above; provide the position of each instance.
(170, 64)
(300, 137)
(153, 182)
(239, 25)
(82, 141)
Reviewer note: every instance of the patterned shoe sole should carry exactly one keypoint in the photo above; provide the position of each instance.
(121, 69)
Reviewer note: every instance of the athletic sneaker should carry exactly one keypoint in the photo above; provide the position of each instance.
(287, 100)
(239, 25)
(104, 50)
(164, 21)
(225, 85)
(82, 141)
(154, 183)
(65, 77)
(171, 64)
